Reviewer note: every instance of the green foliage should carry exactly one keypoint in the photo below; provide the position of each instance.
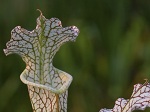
(111, 54)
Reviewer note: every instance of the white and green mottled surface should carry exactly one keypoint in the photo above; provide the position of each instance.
(47, 85)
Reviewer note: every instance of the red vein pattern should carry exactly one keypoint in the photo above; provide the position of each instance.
(139, 100)
(47, 85)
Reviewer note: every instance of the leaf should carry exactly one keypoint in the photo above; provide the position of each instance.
(140, 99)
(47, 85)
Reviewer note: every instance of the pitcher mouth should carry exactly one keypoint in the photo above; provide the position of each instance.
(59, 90)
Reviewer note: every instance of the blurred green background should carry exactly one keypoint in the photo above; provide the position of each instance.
(110, 55)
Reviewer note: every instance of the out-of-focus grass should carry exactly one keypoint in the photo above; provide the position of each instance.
(110, 55)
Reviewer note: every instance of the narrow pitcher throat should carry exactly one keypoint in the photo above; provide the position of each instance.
(46, 76)
(57, 81)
